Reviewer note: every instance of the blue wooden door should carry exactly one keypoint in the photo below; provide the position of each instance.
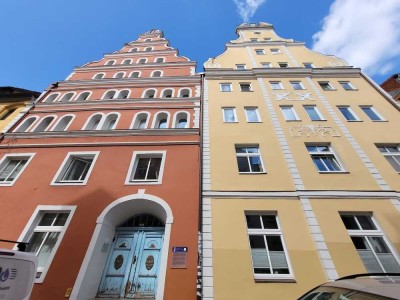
(132, 266)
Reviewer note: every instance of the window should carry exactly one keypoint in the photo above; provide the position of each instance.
(149, 94)
(268, 251)
(275, 51)
(184, 93)
(249, 159)
(109, 95)
(140, 121)
(370, 243)
(110, 122)
(146, 167)
(141, 61)
(148, 49)
(267, 39)
(276, 85)
(124, 94)
(252, 115)
(44, 233)
(12, 166)
(229, 115)
(313, 113)
(253, 40)
(26, 124)
(240, 67)
(135, 75)
(308, 65)
(181, 120)
(110, 63)
(225, 87)
(156, 74)
(83, 96)
(324, 159)
(289, 113)
(347, 85)
(372, 113)
(159, 60)
(297, 85)
(161, 120)
(76, 168)
(93, 122)
(7, 113)
(259, 51)
(348, 113)
(168, 93)
(326, 86)
(283, 65)
(245, 87)
(265, 65)
(134, 50)
(119, 75)
(52, 97)
(67, 97)
(392, 155)
(63, 123)
(127, 62)
(44, 124)
(147, 40)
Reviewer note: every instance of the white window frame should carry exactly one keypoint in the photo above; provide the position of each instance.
(259, 51)
(316, 110)
(248, 155)
(89, 119)
(32, 225)
(240, 67)
(283, 64)
(177, 117)
(245, 83)
(349, 84)
(61, 119)
(65, 164)
(225, 84)
(51, 95)
(5, 160)
(271, 83)
(374, 111)
(394, 155)
(38, 123)
(291, 108)
(266, 65)
(135, 121)
(157, 119)
(349, 110)
(132, 167)
(329, 153)
(370, 233)
(255, 108)
(307, 63)
(269, 232)
(36, 118)
(234, 114)
(294, 82)
(328, 84)
(275, 51)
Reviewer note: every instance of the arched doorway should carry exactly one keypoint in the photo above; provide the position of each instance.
(113, 216)
(133, 263)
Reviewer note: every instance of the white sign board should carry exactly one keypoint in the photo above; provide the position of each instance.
(17, 274)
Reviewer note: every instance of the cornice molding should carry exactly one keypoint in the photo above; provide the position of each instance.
(265, 43)
(154, 53)
(135, 66)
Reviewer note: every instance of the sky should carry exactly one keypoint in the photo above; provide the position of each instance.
(41, 41)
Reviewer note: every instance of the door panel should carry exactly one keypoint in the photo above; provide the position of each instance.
(132, 266)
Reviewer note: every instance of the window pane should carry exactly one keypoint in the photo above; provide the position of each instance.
(319, 163)
(296, 85)
(61, 219)
(394, 161)
(253, 221)
(142, 123)
(360, 243)
(77, 169)
(225, 87)
(289, 113)
(269, 222)
(366, 222)
(12, 169)
(331, 163)
(182, 123)
(46, 248)
(154, 168)
(274, 243)
(252, 149)
(241, 150)
(349, 222)
(141, 168)
(243, 164)
(245, 87)
(162, 123)
(35, 242)
(47, 219)
(256, 165)
(229, 115)
(251, 114)
(347, 114)
(312, 113)
(371, 113)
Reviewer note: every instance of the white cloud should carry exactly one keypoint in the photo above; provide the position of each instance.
(365, 33)
(247, 8)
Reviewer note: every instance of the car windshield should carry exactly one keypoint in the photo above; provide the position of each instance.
(335, 293)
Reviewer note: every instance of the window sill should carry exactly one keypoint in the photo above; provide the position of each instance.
(247, 91)
(142, 182)
(380, 121)
(322, 120)
(251, 173)
(354, 121)
(272, 279)
(352, 90)
(68, 183)
(333, 90)
(338, 172)
(234, 122)
(293, 120)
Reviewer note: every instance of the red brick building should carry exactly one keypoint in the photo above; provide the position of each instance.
(392, 86)
(101, 177)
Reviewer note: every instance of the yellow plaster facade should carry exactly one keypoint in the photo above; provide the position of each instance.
(294, 137)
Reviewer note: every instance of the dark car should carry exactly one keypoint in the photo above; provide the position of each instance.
(371, 286)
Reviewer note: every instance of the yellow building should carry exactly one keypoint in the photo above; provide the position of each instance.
(14, 102)
(301, 167)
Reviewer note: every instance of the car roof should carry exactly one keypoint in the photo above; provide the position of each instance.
(387, 286)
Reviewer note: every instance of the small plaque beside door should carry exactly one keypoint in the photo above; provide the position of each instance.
(179, 257)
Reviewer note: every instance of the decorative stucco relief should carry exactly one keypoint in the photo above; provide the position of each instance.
(313, 130)
(293, 96)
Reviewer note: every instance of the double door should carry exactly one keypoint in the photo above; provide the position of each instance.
(132, 266)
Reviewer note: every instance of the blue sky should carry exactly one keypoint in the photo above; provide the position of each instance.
(43, 40)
